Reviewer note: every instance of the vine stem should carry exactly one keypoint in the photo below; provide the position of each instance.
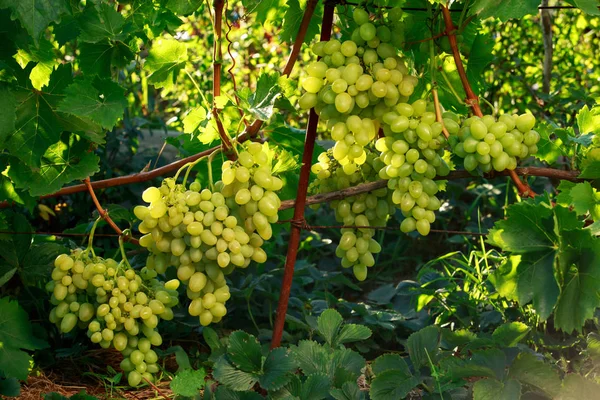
(472, 99)
(434, 84)
(454, 175)
(295, 230)
(217, 64)
(308, 13)
(104, 214)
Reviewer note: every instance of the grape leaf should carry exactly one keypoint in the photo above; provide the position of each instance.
(527, 228)
(559, 265)
(184, 7)
(63, 162)
(8, 105)
(549, 148)
(101, 100)
(36, 15)
(581, 196)
(591, 171)
(580, 269)
(589, 6)
(165, 59)
(100, 21)
(588, 120)
(97, 58)
(188, 382)
(504, 9)
(480, 57)
(37, 124)
(9, 387)
(43, 56)
(291, 23)
(16, 334)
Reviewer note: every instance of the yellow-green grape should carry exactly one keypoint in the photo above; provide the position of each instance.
(496, 143)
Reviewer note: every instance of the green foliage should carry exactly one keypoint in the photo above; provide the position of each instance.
(557, 268)
(188, 382)
(16, 336)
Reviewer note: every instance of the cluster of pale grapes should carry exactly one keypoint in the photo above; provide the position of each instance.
(361, 87)
(117, 307)
(353, 85)
(207, 233)
(495, 143)
(357, 245)
(412, 151)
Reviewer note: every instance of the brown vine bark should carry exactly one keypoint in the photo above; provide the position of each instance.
(296, 228)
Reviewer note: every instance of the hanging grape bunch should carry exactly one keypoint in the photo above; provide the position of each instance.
(495, 143)
(207, 233)
(412, 151)
(117, 307)
(357, 245)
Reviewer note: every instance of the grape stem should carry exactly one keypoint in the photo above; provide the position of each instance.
(434, 84)
(90, 246)
(472, 99)
(122, 248)
(104, 214)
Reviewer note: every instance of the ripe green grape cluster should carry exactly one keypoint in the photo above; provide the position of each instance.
(354, 84)
(207, 233)
(412, 152)
(357, 246)
(495, 143)
(117, 307)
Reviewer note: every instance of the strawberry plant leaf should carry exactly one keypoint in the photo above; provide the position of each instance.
(493, 389)
(188, 382)
(244, 351)
(510, 334)
(530, 370)
(232, 377)
(278, 369)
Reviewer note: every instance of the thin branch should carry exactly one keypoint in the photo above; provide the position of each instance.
(308, 13)
(472, 99)
(370, 186)
(104, 214)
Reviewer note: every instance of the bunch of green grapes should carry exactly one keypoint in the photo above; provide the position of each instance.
(495, 143)
(116, 306)
(207, 233)
(354, 84)
(357, 245)
(412, 151)
(192, 232)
